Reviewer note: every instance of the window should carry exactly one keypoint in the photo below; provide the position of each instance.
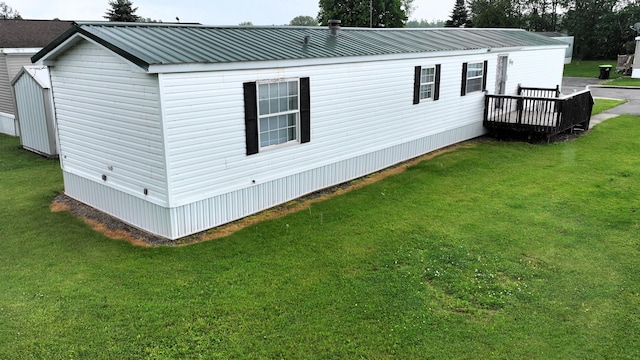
(427, 80)
(276, 112)
(426, 83)
(474, 77)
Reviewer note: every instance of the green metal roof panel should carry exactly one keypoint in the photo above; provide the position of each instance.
(161, 44)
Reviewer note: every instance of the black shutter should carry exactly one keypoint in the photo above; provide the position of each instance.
(416, 84)
(436, 90)
(305, 111)
(484, 75)
(463, 87)
(251, 117)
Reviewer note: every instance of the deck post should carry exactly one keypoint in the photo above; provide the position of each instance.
(519, 108)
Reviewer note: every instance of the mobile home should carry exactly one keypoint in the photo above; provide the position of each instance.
(176, 129)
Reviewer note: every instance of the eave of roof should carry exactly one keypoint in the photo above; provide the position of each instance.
(162, 45)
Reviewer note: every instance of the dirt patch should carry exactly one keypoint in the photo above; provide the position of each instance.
(117, 229)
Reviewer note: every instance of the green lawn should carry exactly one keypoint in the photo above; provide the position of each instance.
(589, 68)
(604, 104)
(495, 250)
(623, 81)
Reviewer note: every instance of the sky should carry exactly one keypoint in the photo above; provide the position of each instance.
(208, 12)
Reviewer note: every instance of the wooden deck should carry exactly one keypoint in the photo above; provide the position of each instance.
(538, 111)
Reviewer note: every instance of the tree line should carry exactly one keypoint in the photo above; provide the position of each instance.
(602, 29)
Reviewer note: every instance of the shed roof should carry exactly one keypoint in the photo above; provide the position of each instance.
(175, 44)
(30, 33)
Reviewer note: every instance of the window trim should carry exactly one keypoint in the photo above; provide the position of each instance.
(417, 83)
(280, 113)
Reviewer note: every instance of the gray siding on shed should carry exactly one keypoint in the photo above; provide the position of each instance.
(35, 116)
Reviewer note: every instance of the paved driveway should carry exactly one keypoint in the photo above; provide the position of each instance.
(631, 94)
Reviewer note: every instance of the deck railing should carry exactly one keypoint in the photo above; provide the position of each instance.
(539, 92)
(547, 115)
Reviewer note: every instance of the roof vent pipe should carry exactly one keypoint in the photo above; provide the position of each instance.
(306, 40)
(334, 25)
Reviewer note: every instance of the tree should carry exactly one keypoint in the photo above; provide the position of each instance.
(599, 27)
(425, 23)
(246, 23)
(360, 13)
(121, 10)
(539, 15)
(408, 7)
(7, 12)
(459, 16)
(493, 14)
(303, 21)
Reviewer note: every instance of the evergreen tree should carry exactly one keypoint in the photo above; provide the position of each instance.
(121, 10)
(459, 16)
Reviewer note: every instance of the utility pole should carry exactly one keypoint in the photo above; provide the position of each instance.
(370, 13)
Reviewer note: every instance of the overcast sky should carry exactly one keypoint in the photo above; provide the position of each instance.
(212, 12)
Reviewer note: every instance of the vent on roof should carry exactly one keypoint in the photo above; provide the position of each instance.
(334, 26)
(306, 40)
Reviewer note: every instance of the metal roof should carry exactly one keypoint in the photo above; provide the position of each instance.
(174, 44)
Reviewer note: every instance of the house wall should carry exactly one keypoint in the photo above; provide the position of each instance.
(35, 116)
(109, 124)
(10, 65)
(6, 101)
(7, 119)
(362, 120)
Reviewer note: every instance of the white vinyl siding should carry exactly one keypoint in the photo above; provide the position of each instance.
(108, 115)
(109, 122)
(206, 133)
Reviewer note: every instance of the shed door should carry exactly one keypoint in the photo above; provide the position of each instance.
(501, 74)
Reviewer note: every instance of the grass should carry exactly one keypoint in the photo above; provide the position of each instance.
(601, 105)
(495, 250)
(623, 81)
(589, 68)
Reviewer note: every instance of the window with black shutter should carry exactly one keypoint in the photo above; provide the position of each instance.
(276, 112)
(426, 83)
(474, 77)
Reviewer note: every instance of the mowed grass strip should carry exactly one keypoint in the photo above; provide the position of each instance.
(601, 105)
(590, 68)
(495, 250)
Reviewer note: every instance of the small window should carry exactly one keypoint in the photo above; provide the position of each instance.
(474, 77)
(475, 73)
(426, 83)
(278, 109)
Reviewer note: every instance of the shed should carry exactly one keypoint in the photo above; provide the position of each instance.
(34, 107)
(176, 129)
(19, 41)
(564, 38)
